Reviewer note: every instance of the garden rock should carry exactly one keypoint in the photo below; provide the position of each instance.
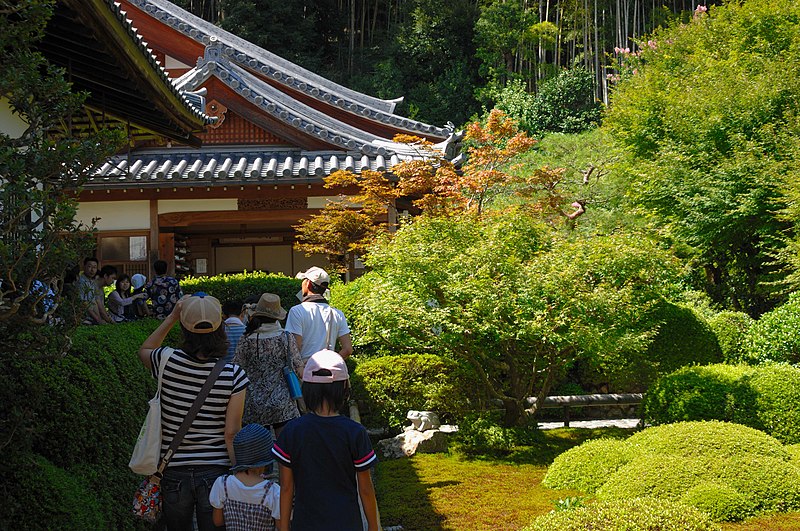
(410, 442)
(422, 420)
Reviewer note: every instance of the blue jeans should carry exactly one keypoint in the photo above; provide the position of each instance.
(184, 491)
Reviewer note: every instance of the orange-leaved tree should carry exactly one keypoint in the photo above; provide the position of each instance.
(433, 184)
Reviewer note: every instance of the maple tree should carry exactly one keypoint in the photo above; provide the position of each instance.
(346, 227)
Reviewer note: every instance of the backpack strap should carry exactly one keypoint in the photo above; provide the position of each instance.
(266, 491)
(225, 485)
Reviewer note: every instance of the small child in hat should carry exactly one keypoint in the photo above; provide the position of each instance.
(243, 500)
(326, 458)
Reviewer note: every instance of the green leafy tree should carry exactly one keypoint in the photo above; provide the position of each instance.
(39, 238)
(709, 116)
(496, 294)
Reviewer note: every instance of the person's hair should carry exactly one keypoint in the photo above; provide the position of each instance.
(317, 289)
(120, 279)
(90, 259)
(335, 394)
(108, 270)
(160, 267)
(232, 307)
(254, 322)
(213, 345)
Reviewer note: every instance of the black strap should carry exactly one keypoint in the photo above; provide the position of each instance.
(193, 411)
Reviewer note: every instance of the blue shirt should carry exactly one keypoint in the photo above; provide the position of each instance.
(234, 330)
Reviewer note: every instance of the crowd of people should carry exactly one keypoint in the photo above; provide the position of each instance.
(220, 476)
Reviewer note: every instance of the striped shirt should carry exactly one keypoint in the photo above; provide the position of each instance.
(184, 376)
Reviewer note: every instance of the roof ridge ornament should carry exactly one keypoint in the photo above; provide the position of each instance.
(213, 53)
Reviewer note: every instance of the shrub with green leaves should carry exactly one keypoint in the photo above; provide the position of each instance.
(388, 387)
(765, 397)
(775, 337)
(83, 413)
(731, 328)
(642, 514)
(587, 467)
(752, 472)
(721, 502)
(243, 285)
(794, 452)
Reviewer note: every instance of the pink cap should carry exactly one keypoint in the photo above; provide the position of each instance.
(328, 362)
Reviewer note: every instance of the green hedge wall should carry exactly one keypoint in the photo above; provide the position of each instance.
(74, 422)
(765, 397)
(244, 285)
(731, 329)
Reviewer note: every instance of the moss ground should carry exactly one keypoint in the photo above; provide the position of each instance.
(443, 492)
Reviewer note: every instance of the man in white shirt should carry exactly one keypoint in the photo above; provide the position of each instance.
(315, 324)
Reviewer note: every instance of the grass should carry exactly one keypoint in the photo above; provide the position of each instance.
(443, 492)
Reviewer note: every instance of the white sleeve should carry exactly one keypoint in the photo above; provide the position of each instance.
(294, 323)
(273, 501)
(216, 496)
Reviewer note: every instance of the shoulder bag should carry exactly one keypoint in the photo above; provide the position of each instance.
(292, 381)
(147, 499)
(147, 451)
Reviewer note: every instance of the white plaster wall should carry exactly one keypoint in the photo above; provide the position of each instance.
(321, 201)
(196, 205)
(10, 123)
(116, 215)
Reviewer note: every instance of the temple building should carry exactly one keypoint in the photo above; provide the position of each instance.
(219, 191)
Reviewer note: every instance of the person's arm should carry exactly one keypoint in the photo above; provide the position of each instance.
(158, 335)
(287, 497)
(93, 312)
(366, 491)
(233, 421)
(294, 351)
(218, 517)
(101, 309)
(299, 340)
(346, 346)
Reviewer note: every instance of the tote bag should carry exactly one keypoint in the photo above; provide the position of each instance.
(147, 452)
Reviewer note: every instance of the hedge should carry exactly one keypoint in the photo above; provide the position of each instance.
(774, 337)
(731, 328)
(642, 514)
(727, 470)
(386, 388)
(683, 338)
(66, 466)
(765, 397)
(241, 286)
(588, 466)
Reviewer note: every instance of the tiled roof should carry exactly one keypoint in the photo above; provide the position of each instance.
(256, 59)
(192, 168)
(191, 102)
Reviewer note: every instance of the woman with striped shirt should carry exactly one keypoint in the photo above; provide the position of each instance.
(206, 452)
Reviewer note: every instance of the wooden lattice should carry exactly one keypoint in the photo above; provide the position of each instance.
(273, 203)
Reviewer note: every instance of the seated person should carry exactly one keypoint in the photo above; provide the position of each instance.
(122, 298)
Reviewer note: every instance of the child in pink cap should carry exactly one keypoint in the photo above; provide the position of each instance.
(326, 458)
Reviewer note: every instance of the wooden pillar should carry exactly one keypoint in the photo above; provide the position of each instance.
(154, 237)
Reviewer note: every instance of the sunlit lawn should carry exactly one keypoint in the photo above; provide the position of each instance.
(431, 492)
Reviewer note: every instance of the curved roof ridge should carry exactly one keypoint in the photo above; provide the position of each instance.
(248, 55)
(187, 101)
(184, 21)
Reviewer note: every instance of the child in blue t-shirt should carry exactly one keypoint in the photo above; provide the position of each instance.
(326, 458)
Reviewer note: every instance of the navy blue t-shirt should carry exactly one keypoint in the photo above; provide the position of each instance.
(325, 453)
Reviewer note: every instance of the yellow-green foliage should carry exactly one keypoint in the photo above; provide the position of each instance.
(766, 397)
(753, 472)
(723, 503)
(794, 452)
(642, 514)
(587, 467)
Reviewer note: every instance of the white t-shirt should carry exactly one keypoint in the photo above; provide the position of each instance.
(310, 320)
(240, 492)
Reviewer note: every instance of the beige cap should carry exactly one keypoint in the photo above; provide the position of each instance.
(200, 313)
(269, 305)
(315, 274)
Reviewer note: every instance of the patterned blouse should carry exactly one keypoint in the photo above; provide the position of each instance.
(263, 355)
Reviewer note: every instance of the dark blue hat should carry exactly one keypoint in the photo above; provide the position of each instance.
(252, 447)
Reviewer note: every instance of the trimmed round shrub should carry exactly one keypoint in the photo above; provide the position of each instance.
(642, 514)
(243, 285)
(588, 466)
(387, 387)
(774, 336)
(794, 453)
(721, 502)
(706, 439)
(731, 329)
(765, 397)
(753, 471)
